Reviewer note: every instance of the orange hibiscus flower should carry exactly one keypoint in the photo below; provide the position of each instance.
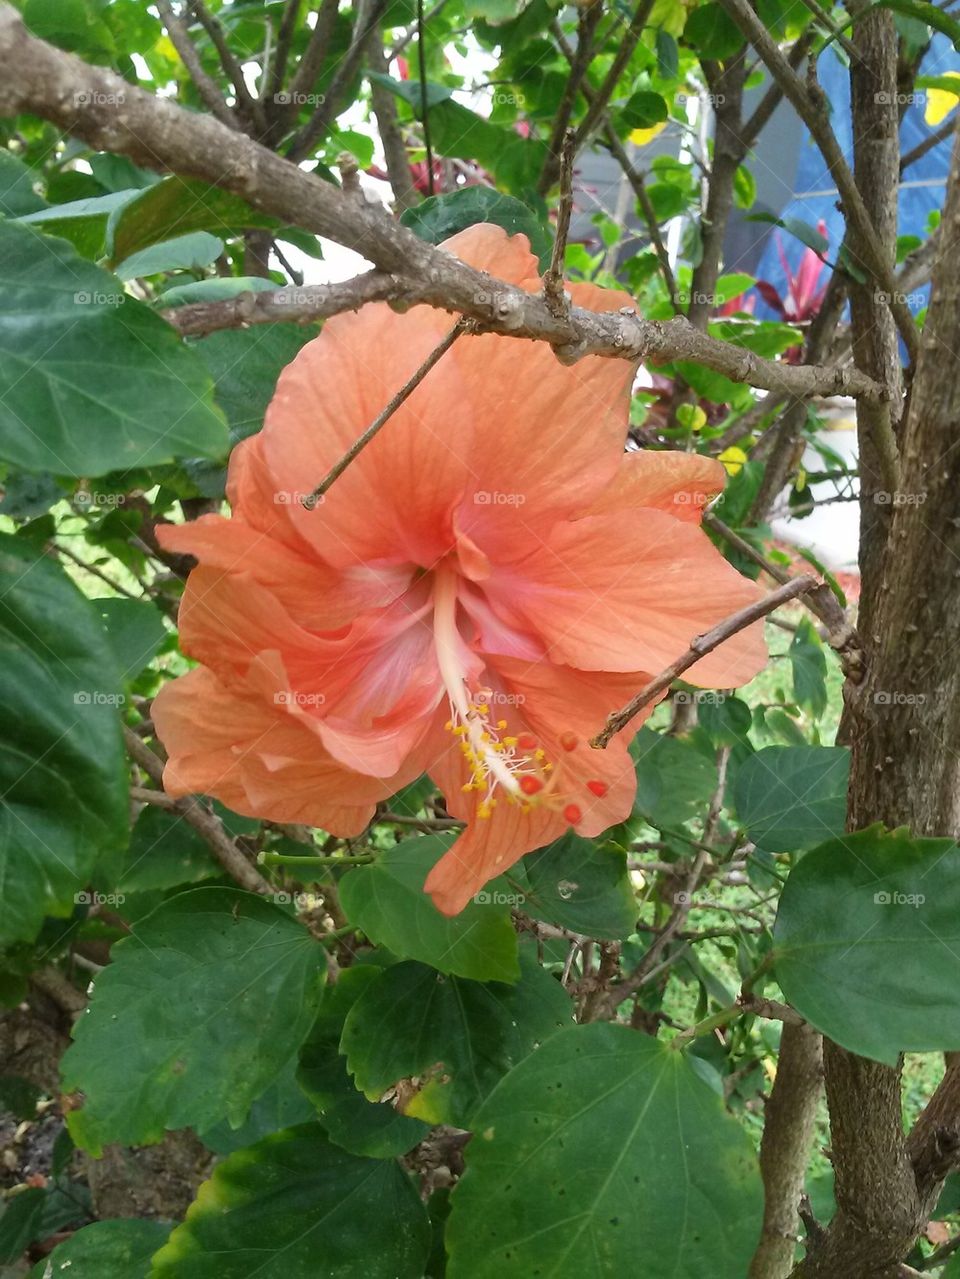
(485, 583)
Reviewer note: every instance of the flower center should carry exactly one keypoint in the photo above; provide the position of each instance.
(497, 762)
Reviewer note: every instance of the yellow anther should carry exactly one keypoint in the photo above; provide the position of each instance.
(501, 723)
(509, 741)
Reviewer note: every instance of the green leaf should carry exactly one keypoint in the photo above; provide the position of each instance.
(294, 1204)
(184, 252)
(744, 188)
(82, 222)
(441, 216)
(668, 55)
(90, 379)
(281, 1106)
(713, 33)
(458, 132)
(363, 1127)
(643, 109)
(135, 629)
(460, 1037)
(387, 901)
(805, 232)
(808, 664)
(245, 365)
(17, 195)
(791, 798)
(118, 1249)
(63, 777)
(674, 781)
(922, 11)
(215, 290)
(867, 942)
(193, 1017)
(175, 207)
(604, 1153)
(580, 884)
(165, 852)
(727, 719)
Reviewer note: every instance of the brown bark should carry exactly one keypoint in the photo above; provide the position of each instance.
(785, 1147)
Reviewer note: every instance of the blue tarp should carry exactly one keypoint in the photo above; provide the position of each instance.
(921, 191)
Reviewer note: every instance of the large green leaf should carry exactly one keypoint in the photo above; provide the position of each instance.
(867, 942)
(175, 207)
(245, 365)
(118, 1249)
(282, 1105)
(192, 1019)
(135, 630)
(184, 252)
(17, 195)
(296, 1205)
(441, 216)
(62, 774)
(387, 901)
(363, 1127)
(165, 852)
(581, 884)
(792, 797)
(83, 222)
(90, 379)
(605, 1154)
(459, 1037)
(674, 780)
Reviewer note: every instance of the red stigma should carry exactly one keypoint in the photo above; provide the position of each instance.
(531, 785)
(527, 742)
(572, 814)
(569, 741)
(598, 788)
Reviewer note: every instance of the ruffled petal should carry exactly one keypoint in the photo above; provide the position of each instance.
(319, 596)
(679, 483)
(623, 592)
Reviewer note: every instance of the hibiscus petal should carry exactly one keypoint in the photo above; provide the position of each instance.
(679, 483)
(623, 592)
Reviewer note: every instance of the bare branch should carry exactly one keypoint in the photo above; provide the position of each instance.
(553, 279)
(208, 89)
(201, 819)
(700, 645)
(249, 105)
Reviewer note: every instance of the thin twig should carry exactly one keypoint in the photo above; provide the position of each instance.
(424, 104)
(201, 819)
(357, 447)
(230, 64)
(207, 87)
(699, 647)
(553, 277)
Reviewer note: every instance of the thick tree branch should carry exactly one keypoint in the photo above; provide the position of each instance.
(107, 112)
